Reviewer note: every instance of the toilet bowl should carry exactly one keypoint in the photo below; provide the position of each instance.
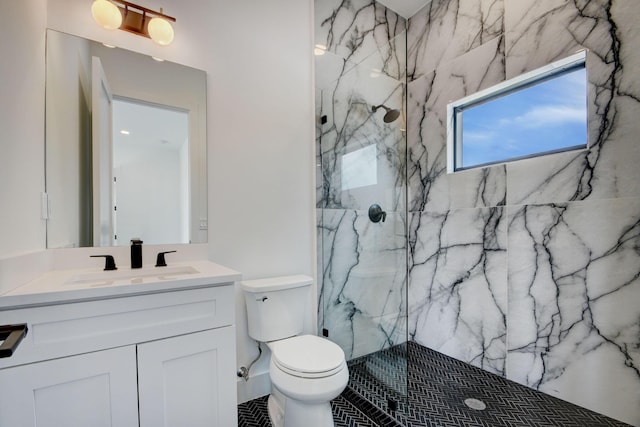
(306, 371)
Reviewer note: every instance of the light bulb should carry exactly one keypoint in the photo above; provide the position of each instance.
(106, 14)
(160, 31)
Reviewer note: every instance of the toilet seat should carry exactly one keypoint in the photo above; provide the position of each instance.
(307, 356)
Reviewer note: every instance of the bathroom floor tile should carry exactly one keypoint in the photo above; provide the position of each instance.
(345, 414)
(430, 389)
(438, 386)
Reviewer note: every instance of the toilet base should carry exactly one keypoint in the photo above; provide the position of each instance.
(276, 412)
(298, 413)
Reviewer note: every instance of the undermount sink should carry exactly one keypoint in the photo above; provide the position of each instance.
(141, 275)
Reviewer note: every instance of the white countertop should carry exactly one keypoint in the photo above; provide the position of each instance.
(66, 286)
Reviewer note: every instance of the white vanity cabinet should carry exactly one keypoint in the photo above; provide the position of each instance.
(185, 381)
(94, 389)
(156, 359)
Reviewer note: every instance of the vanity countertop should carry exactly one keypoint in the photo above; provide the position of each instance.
(67, 286)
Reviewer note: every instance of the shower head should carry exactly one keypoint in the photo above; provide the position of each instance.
(390, 116)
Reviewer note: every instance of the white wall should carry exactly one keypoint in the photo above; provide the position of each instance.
(258, 56)
(261, 130)
(21, 126)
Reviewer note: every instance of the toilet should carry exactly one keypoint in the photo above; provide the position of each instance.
(306, 371)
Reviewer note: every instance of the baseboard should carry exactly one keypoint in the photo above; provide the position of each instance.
(258, 385)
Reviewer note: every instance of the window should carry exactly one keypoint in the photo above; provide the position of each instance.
(540, 112)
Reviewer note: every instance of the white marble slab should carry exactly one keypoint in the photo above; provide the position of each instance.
(430, 187)
(353, 127)
(574, 318)
(457, 291)
(357, 29)
(447, 29)
(363, 292)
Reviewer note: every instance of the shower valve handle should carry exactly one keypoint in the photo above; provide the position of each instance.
(376, 214)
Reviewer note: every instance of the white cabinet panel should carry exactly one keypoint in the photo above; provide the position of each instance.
(94, 389)
(188, 380)
(63, 330)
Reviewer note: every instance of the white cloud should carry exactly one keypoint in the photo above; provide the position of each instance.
(478, 137)
(547, 115)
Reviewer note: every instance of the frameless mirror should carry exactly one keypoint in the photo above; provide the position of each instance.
(125, 147)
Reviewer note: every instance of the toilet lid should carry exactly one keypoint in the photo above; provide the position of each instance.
(308, 356)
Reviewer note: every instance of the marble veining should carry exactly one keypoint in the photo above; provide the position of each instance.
(527, 269)
(574, 283)
(430, 187)
(352, 127)
(558, 28)
(447, 29)
(572, 218)
(364, 284)
(457, 291)
(357, 29)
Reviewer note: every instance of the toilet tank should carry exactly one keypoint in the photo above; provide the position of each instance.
(276, 306)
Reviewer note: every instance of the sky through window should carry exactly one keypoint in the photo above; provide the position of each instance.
(547, 116)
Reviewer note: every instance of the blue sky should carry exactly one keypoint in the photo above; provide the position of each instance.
(548, 116)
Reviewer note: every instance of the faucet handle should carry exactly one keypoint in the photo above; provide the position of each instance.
(109, 262)
(160, 262)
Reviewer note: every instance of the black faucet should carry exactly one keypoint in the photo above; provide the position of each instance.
(136, 253)
(160, 261)
(109, 263)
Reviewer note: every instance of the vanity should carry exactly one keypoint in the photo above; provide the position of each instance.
(146, 347)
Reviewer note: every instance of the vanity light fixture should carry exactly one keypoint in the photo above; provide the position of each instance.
(106, 14)
(120, 14)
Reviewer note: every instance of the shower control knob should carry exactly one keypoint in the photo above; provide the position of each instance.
(376, 214)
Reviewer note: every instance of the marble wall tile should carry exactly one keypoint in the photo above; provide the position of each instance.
(429, 185)
(538, 32)
(318, 158)
(385, 61)
(541, 32)
(574, 321)
(625, 15)
(352, 126)
(572, 228)
(362, 293)
(446, 29)
(319, 264)
(364, 280)
(357, 29)
(457, 291)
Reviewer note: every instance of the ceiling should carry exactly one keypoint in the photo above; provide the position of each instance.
(405, 8)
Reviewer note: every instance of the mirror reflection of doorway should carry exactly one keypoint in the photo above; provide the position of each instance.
(151, 172)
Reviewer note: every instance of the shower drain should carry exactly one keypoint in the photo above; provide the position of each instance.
(476, 404)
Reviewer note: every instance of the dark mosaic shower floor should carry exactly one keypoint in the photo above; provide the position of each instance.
(437, 387)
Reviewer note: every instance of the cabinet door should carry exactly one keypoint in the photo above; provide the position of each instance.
(94, 389)
(188, 380)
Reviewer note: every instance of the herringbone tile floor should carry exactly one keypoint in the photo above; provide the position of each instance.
(429, 389)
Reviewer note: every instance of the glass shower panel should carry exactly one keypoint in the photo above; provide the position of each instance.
(361, 161)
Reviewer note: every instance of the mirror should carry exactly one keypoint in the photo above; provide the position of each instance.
(125, 147)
